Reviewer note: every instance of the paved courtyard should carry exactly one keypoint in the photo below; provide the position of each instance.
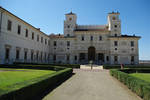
(89, 84)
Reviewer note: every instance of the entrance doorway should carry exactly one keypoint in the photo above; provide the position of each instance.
(91, 53)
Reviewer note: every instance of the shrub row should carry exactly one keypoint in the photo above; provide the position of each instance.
(140, 87)
(126, 66)
(36, 87)
(137, 70)
(41, 67)
(63, 65)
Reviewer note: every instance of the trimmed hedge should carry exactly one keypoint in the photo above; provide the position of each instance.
(63, 65)
(139, 70)
(36, 87)
(140, 87)
(68, 65)
(126, 66)
(41, 67)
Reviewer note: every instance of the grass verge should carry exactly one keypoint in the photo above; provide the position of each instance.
(13, 78)
(28, 83)
(142, 76)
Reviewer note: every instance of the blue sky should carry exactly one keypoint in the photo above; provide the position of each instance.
(49, 15)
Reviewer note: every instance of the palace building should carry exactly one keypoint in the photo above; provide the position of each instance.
(79, 44)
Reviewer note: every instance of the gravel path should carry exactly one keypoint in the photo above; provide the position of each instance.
(91, 85)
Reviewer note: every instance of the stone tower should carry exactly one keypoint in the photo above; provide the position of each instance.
(70, 24)
(114, 23)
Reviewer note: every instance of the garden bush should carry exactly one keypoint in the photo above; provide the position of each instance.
(125, 66)
(140, 87)
(41, 67)
(146, 91)
(63, 65)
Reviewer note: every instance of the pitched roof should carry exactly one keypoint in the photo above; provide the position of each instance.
(125, 36)
(38, 29)
(71, 13)
(90, 30)
(56, 36)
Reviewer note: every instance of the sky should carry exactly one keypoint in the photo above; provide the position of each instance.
(49, 15)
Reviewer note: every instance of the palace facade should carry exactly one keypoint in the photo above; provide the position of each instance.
(103, 44)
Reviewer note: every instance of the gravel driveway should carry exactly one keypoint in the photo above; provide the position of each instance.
(91, 85)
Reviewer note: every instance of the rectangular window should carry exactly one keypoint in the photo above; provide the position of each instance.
(91, 38)
(100, 38)
(9, 24)
(32, 35)
(37, 56)
(19, 29)
(54, 57)
(68, 57)
(132, 43)
(41, 39)
(25, 55)
(115, 43)
(26, 32)
(82, 38)
(68, 43)
(45, 41)
(48, 57)
(101, 57)
(75, 58)
(41, 56)
(82, 56)
(45, 57)
(7, 53)
(32, 54)
(115, 58)
(132, 58)
(38, 38)
(55, 43)
(48, 42)
(17, 54)
(107, 58)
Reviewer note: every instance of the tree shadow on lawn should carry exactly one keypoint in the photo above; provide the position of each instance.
(50, 89)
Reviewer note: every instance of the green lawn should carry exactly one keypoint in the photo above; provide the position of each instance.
(143, 76)
(13, 78)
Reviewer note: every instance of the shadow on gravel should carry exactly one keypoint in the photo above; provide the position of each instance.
(49, 89)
